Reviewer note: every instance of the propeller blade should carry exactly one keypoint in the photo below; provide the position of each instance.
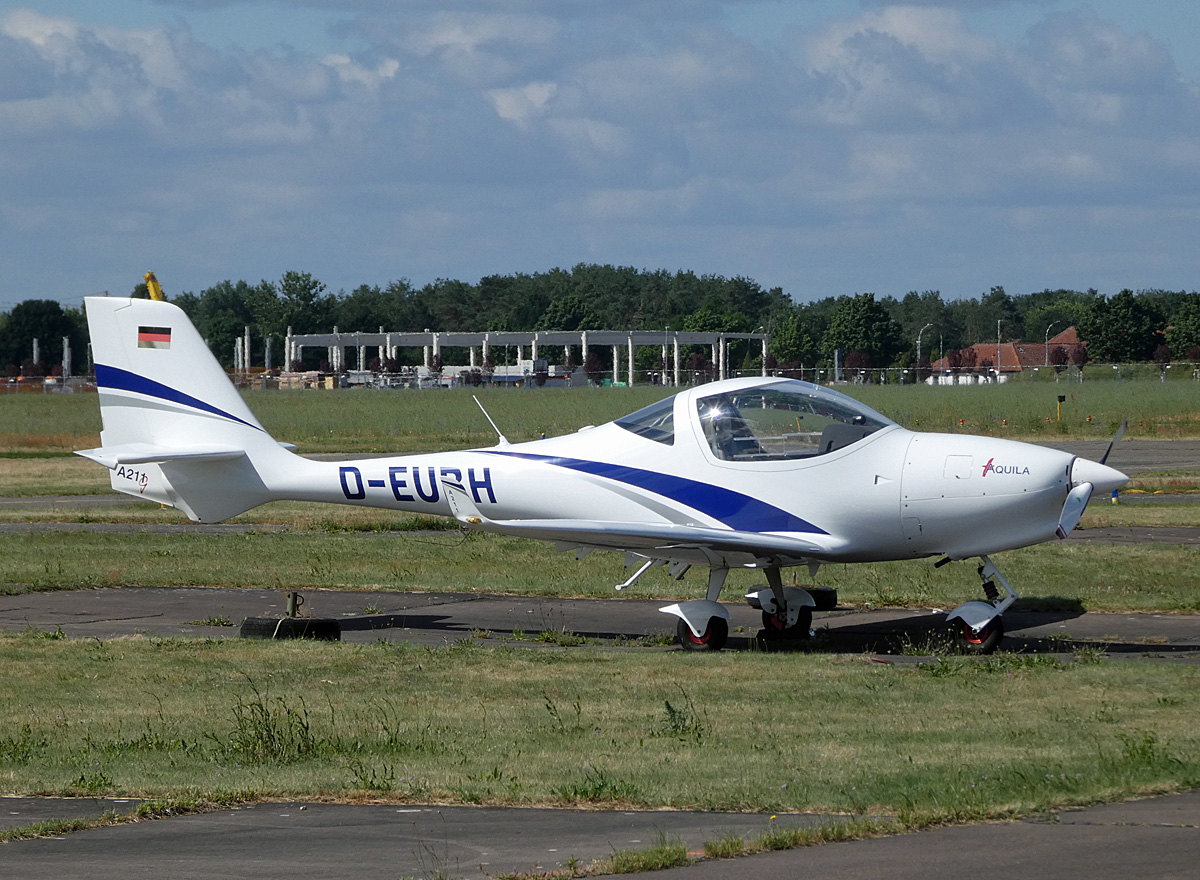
(1077, 500)
(1115, 440)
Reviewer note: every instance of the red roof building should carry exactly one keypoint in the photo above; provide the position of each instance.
(1015, 357)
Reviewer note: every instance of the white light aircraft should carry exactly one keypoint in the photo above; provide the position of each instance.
(757, 473)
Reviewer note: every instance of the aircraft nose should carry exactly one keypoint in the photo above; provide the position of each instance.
(1103, 478)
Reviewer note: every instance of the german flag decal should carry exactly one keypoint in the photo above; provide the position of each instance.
(154, 337)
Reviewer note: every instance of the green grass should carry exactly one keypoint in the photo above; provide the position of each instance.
(1095, 577)
(48, 422)
(408, 421)
(332, 518)
(1092, 411)
(186, 722)
(146, 810)
(725, 847)
(778, 837)
(1101, 514)
(59, 475)
(665, 853)
(174, 718)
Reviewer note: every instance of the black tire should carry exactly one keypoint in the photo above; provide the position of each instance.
(824, 597)
(712, 639)
(985, 641)
(322, 628)
(773, 627)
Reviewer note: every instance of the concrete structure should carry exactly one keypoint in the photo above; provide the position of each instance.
(622, 342)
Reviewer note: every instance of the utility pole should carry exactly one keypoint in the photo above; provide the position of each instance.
(1046, 345)
(997, 351)
(922, 330)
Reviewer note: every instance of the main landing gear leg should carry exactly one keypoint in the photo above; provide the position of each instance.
(977, 626)
(786, 620)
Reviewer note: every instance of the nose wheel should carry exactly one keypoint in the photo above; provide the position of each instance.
(985, 640)
(976, 626)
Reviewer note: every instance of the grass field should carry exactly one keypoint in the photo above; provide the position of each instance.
(466, 724)
(956, 739)
(407, 421)
(1096, 577)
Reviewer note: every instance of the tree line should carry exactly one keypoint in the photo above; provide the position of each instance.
(869, 331)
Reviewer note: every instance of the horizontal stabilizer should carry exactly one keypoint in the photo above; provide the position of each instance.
(147, 453)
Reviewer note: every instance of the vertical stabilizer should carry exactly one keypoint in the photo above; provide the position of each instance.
(175, 429)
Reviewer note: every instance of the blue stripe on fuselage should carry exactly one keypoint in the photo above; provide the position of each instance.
(123, 380)
(738, 511)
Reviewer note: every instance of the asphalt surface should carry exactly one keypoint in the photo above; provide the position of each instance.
(1137, 456)
(445, 618)
(336, 840)
(1157, 838)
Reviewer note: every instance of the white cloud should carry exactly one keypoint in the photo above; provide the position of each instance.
(1093, 74)
(588, 138)
(52, 35)
(906, 66)
(474, 137)
(478, 49)
(466, 33)
(938, 36)
(519, 105)
(351, 71)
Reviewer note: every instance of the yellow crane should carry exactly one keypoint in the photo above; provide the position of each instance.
(154, 288)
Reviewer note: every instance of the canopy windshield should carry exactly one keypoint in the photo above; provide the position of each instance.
(654, 422)
(783, 421)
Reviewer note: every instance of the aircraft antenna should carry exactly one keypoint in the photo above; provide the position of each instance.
(503, 441)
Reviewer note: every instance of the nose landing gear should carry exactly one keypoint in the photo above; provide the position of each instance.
(985, 640)
(977, 626)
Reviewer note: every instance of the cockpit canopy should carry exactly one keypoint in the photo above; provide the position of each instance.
(773, 422)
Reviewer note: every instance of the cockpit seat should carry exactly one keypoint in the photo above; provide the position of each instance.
(838, 435)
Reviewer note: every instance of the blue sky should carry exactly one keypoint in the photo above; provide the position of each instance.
(826, 148)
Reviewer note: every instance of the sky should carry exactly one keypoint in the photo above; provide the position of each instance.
(827, 148)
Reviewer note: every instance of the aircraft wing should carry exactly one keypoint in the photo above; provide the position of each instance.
(695, 544)
(664, 541)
